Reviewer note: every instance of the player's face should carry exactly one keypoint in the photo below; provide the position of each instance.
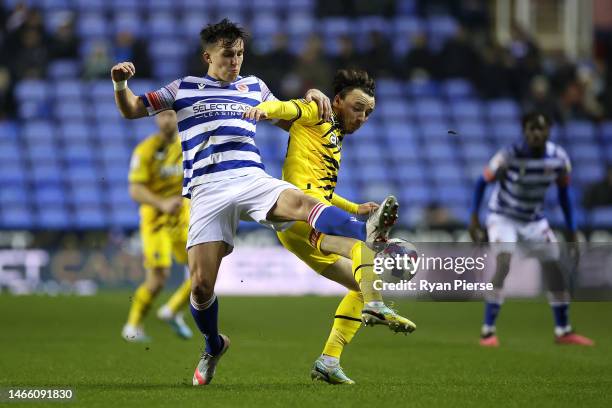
(166, 121)
(224, 61)
(536, 133)
(354, 109)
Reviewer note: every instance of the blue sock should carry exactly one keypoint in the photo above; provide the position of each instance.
(331, 220)
(206, 320)
(491, 312)
(560, 313)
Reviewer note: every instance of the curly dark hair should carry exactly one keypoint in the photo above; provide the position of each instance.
(536, 116)
(346, 80)
(224, 30)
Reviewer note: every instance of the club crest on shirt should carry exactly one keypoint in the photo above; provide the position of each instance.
(242, 88)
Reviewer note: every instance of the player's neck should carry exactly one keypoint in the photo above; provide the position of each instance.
(213, 76)
(168, 137)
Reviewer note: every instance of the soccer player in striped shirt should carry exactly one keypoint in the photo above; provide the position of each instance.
(312, 164)
(522, 173)
(223, 173)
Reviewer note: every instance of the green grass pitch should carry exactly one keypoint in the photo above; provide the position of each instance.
(75, 342)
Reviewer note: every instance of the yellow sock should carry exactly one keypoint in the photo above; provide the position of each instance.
(363, 271)
(180, 297)
(346, 323)
(140, 305)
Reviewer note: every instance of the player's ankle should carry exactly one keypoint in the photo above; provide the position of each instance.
(330, 360)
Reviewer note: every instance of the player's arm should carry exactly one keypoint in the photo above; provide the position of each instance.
(345, 204)
(139, 176)
(294, 110)
(565, 200)
(130, 105)
(143, 195)
(492, 172)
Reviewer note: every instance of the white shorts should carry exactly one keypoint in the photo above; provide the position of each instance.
(218, 206)
(503, 231)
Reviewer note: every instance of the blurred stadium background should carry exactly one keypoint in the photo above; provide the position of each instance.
(470, 66)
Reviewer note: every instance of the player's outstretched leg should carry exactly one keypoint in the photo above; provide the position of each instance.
(293, 205)
(171, 311)
(381, 221)
(374, 310)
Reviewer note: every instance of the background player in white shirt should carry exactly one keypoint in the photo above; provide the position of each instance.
(522, 173)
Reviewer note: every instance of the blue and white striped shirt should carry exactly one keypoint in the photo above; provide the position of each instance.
(218, 144)
(522, 180)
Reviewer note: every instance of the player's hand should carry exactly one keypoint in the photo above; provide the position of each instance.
(171, 205)
(322, 101)
(255, 114)
(123, 71)
(477, 233)
(367, 208)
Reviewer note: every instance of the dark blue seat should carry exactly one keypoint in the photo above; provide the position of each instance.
(78, 153)
(53, 218)
(506, 132)
(422, 89)
(503, 109)
(124, 217)
(393, 109)
(161, 25)
(62, 69)
(405, 27)
(430, 109)
(17, 194)
(457, 90)
(17, 217)
(90, 217)
(45, 175)
(580, 130)
(36, 131)
(49, 196)
(75, 132)
(9, 130)
(586, 152)
(601, 217)
(92, 25)
(472, 131)
(32, 90)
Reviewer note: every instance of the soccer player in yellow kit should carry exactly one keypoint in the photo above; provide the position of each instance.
(312, 164)
(156, 182)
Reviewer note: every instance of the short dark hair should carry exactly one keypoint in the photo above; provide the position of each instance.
(224, 30)
(346, 80)
(535, 116)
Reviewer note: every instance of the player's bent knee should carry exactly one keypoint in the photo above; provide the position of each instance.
(202, 286)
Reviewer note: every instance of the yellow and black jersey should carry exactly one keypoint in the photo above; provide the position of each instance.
(159, 166)
(313, 152)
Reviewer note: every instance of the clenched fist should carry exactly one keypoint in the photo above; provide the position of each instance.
(122, 71)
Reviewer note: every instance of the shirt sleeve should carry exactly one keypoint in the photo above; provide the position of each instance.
(139, 166)
(566, 170)
(496, 164)
(297, 110)
(162, 99)
(344, 204)
(266, 94)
